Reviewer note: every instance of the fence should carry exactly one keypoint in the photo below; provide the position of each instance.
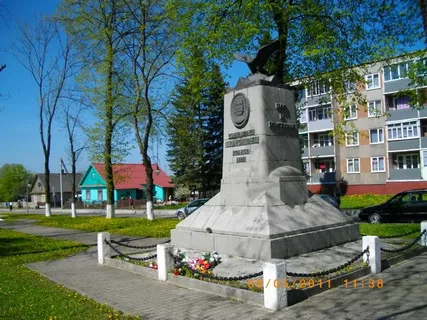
(275, 276)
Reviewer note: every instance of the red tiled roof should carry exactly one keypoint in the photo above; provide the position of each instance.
(132, 176)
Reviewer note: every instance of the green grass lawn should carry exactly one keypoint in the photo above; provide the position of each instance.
(158, 228)
(26, 295)
(389, 229)
(358, 201)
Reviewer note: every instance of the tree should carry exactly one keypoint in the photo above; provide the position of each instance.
(196, 129)
(97, 27)
(72, 119)
(150, 45)
(318, 39)
(13, 182)
(47, 56)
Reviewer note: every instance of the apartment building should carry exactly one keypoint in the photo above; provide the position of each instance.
(384, 154)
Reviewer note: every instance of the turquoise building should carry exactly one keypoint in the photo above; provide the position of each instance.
(129, 181)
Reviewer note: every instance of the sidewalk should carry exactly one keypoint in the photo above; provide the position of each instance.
(402, 297)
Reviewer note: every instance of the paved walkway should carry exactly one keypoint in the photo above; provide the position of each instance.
(402, 297)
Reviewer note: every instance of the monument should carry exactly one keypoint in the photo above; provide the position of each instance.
(264, 209)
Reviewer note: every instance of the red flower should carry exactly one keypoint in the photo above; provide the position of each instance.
(175, 272)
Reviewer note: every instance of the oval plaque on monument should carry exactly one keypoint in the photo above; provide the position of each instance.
(240, 110)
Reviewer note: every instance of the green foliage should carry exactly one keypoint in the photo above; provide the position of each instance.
(196, 128)
(159, 228)
(358, 201)
(13, 181)
(25, 294)
(182, 192)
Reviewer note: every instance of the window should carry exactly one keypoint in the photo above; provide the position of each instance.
(372, 81)
(405, 130)
(323, 140)
(43, 197)
(304, 141)
(424, 159)
(378, 164)
(353, 165)
(350, 87)
(350, 112)
(324, 165)
(303, 116)
(396, 71)
(376, 135)
(87, 194)
(301, 94)
(99, 195)
(400, 103)
(319, 113)
(406, 161)
(306, 166)
(352, 138)
(374, 108)
(318, 88)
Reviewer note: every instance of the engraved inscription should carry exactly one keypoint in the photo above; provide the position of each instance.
(242, 142)
(241, 152)
(241, 134)
(273, 124)
(241, 159)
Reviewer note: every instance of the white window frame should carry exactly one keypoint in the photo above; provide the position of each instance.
(377, 158)
(43, 198)
(88, 197)
(400, 73)
(99, 195)
(303, 112)
(352, 161)
(351, 116)
(326, 111)
(378, 134)
(318, 88)
(375, 114)
(347, 135)
(402, 127)
(405, 160)
(370, 80)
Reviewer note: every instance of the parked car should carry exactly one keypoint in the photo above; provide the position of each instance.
(407, 206)
(329, 199)
(190, 208)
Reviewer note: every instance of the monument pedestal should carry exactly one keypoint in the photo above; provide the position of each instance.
(263, 210)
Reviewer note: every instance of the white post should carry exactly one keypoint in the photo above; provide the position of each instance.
(164, 260)
(103, 248)
(424, 237)
(374, 257)
(274, 275)
(60, 182)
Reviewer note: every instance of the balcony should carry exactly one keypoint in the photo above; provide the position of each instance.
(402, 114)
(323, 177)
(406, 144)
(405, 174)
(322, 151)
(396, 85)
(304, 152)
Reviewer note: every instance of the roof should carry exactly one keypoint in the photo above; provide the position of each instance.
(54, 181)
(132, 176)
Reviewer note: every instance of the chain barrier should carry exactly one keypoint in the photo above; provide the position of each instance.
(138, 247)
(240, 278)
(326, 272)
(406, 247)
(395, 236)
(122, 255)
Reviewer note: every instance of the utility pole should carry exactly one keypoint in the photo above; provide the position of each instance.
(27, 185)
(60, 182)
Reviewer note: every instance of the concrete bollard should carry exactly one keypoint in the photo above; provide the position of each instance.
(103, 248)
(274, 276)
(164, 260)
(424, 237)
(374, 259)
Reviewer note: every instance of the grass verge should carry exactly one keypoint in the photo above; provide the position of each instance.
(389, 229)
(25, 294)
(158, 228)
(358, 201)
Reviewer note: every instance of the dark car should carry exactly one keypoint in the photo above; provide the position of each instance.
(190, 208)
(407, 206)
(329, 199)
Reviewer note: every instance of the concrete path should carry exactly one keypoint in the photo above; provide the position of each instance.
(402, 297)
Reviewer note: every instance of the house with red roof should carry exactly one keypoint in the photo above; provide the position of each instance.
(129, 181)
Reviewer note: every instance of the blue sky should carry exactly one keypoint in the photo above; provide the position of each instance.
(20, 139)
